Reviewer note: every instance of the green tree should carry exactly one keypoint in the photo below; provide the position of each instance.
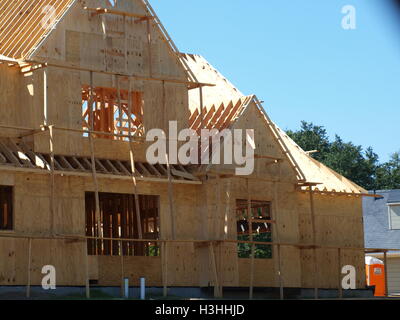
(352, 161)
(311, 137)
(388, 174)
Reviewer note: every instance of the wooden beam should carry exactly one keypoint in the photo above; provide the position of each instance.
(52, 180)
(28, 286)
(214, 270)
(315, 266)
(276, 217)
(249, 219)
(385, 261)
(148, 27)
(133, 168)
(61, 172)
(96, 11)
(190, 84)
(87, 278)
(219, 235)
(340, 288)
(164, 253)
(93, 162)
(122, 270)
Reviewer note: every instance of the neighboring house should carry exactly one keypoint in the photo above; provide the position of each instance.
(382, 231)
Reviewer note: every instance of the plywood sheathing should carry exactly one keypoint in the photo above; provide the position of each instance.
(113, 42)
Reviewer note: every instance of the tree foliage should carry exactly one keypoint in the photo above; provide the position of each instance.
(361, 166)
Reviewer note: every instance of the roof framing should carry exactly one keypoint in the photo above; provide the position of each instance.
(17, 156)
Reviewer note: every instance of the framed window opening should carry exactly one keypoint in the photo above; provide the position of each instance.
(118, 220)
(261, 225)
(109, 116)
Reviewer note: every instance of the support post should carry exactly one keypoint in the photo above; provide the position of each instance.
(315, 267)
(278, 247)
(214, 269)
(45, 106)
(52, 181)
(340, 288)
(149, 47)
(219, 236)
(51, 147)
(87, 283)
(227, 209)
(120, 120)
(93, 164)
(170, 188)
(164, 268)
(132, 160)
(170, 198)
(201, 106)
(385, 261)
(28, 287)
(252, 257)
(122, 270)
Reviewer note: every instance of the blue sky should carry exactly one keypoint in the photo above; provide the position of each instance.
(294, 55)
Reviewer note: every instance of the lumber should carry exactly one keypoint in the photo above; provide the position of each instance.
(385, 261)
(28, 287)
(93, 160)
(275, 215)
(52, 179)
(250, 223)
(314, 240)
(117, 12)
(164, 253)
(340, 288)
(191, 84)
(133, 168)
(148, 27)
(87, 276)
(217, 291)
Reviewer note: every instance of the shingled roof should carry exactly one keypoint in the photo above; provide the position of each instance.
(376, 222)
(224, 103)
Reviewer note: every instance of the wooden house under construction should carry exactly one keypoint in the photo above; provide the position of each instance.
(81, 83)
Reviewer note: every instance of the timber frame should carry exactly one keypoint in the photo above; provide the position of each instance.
(286, 167)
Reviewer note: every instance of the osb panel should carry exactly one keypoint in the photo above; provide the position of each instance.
(264, 273)
(182, 266)
(67, 257)
(32, 204)
(101, 42)
(13, 261)
(328, 267)
(17, 105)
(110, 270)
(338, 222)
(227, 264)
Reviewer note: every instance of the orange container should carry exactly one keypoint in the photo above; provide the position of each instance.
(376, 275)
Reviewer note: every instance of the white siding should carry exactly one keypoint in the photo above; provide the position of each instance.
(394, 213)
(393, 270)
